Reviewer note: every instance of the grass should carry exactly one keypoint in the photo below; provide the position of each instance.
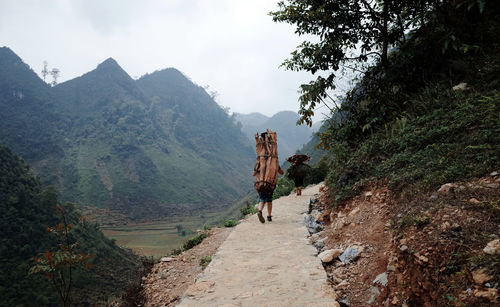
(453, 135)
(156, 239)
(205, 261)
(195, 240)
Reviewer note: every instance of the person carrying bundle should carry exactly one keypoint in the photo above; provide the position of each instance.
(298, 171)
(266, 171)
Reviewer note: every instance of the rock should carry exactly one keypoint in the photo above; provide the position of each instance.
(343, 284)
(490, 293)
(349, 255)
(493, 247)
(494, 174)
(368, 194)
(339, 273)
(474, 201)
(166, 259)
(446, 188)
(422, 258)
(481, 276)
(354, 212)
(374, 293)
(315, 237)
(462, 86)
(381, 279)
(164, 274)
(329, 255)
(445, 226)
(403, 248)
(319, 244)
(311, 224)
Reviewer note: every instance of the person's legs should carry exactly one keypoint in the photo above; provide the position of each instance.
(261, 206)
(269, 208)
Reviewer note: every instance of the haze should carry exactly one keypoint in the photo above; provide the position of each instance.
(234, 47)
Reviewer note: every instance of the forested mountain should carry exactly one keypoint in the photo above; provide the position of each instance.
(290, 136)
(27, 210)
(145, 148)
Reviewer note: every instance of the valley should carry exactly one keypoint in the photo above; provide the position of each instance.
(158, 239)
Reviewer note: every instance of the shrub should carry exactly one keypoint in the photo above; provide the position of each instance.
(283, 188)
(205, 261)
(195, 241)
(230, 223)
(248, 209)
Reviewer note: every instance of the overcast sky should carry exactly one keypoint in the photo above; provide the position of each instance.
(231, 45)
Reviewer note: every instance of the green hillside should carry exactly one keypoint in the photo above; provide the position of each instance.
(424, 115)
(145, 148)
(27, 211)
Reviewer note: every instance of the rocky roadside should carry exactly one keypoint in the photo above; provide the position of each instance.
(435, 249)
(170, 277)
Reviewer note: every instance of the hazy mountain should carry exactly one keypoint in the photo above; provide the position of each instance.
(149, 148)
(290, 136)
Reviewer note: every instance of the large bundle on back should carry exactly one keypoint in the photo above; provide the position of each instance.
(267, 165)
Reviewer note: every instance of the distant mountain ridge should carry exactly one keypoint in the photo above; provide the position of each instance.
(150, 148)
(291, 136)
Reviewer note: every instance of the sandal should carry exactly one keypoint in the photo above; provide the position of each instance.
(261, 218)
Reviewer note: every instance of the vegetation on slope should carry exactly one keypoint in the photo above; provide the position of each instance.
(403, 121)
(145, 148)
(425, 115)
(27, 211)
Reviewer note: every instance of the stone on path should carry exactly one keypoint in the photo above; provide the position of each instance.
(271, 264)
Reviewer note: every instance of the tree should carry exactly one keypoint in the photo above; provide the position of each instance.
(45, 70)
(58, 265)
(350, 34)
(55, 74)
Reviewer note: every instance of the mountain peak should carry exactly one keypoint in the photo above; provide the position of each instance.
(110, 70)
(109, 62)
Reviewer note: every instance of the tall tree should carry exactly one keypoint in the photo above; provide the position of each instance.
(348, 33)
(55, 74)
(45, 70)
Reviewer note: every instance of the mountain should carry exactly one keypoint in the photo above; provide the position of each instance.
(27, 210)
(290, 135)
(149, 148)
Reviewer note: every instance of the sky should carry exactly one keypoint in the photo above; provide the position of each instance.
(232, 46)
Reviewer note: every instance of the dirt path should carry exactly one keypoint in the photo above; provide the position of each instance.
(269, 264)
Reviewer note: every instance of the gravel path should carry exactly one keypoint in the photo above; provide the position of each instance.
(269, 264)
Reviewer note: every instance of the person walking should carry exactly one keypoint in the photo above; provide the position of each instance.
(266, 199)
(298, 171)
(266, 171)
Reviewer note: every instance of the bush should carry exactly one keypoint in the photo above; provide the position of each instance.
(248, 209)
(205, 261)
(283, 188)
(230, 223)
(195, 241)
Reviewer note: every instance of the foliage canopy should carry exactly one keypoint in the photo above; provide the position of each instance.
(348, 34)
